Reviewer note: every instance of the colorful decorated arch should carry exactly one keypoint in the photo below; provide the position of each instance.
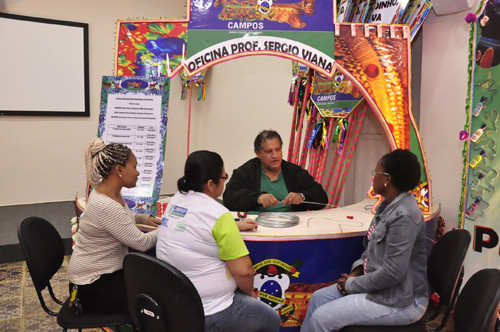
(375, 58)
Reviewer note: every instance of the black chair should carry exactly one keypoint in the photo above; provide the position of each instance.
(445, 270)
(478, 302)
(445, 274)
(160, 297)
(44, 252)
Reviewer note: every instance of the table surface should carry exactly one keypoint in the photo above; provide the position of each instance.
(352, 220)
(342, 222)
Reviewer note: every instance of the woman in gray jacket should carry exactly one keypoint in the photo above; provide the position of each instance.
(388, 283)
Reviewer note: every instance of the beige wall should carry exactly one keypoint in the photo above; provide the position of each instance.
(42, 156)
(442, 106)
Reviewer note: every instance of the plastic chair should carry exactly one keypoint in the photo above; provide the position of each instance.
(160, 297)
(444, 272)
(478, 303)
(44, 252)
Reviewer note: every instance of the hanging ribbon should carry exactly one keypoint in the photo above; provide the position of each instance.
(293, 88)
(315, 130)
(337, 131)
(324, 142)
(201, 92)
(319, 134)
(302, 92)
(185, 88)
(188, 81)
(309, 112)
(342, 136)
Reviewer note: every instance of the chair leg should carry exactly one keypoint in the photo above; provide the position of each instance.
(447, 312)
(434, 315)
(452, 304)
(443, 321)
(42, 303)
(53, 296)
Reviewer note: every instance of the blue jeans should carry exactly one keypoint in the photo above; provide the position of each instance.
(329, 310)
(245, 314)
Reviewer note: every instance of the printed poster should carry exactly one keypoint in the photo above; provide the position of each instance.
(220, 30)
(361, 10)
(343, 10)
(150, 48)
(134, 113)
(419, 15)
(288, 272)
(388, 11)
(481, 200)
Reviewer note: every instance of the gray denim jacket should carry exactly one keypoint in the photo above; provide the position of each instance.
(397, 261)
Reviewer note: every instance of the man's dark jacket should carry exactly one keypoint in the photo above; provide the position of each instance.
(243, 189)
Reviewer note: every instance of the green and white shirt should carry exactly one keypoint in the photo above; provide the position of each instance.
(197, 235)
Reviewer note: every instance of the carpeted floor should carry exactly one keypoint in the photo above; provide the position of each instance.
(20, 309)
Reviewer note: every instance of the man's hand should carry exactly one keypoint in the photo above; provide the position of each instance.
(293, 199)
(247, 224)
(267, 200)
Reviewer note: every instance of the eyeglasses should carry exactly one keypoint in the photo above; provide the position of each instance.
(381, 173)
(225, 177)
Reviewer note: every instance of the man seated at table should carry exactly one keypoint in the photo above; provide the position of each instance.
(269, 183)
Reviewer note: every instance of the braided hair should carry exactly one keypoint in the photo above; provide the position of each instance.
(100, 159)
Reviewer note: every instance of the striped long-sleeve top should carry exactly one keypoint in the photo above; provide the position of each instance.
(106, 231)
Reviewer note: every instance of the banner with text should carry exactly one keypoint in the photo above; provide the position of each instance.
(224, 29)
(335, 97)
(134, 113)
(480, 199)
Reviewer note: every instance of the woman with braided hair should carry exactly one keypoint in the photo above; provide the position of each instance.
(107, 229)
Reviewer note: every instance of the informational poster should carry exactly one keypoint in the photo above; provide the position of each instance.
(224, 29)
(481, 200)
(134, 113)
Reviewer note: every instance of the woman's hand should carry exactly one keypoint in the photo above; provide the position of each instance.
(153, 221)
(341, 284)
(247, 224)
